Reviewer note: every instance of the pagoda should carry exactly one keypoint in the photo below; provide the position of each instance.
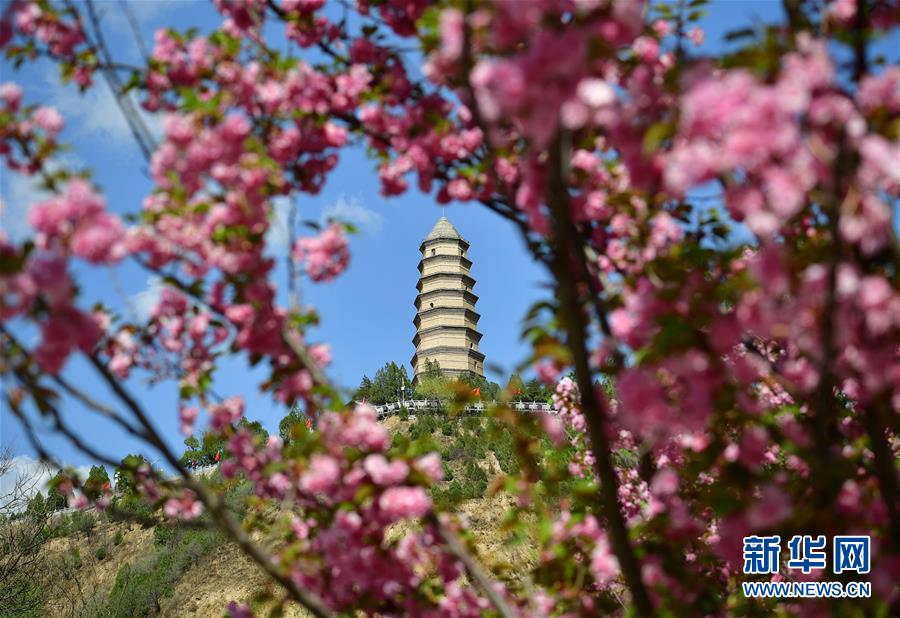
(446, 321)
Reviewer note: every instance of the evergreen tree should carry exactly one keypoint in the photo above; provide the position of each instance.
(37, 506)
(294, 420)
(535, 390)
(97, 481)
(388, 383)
(255, 428)
(432, 383)
(516, 387)
(125, 477)
(364, 391)
(55, 500)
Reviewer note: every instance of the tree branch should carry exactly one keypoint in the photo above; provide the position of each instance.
(568, 254)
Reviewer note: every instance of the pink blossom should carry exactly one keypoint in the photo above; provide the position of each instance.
(595, 92)
(696, 36)
(604, 564)
(383, 472)
(77, 219)
(234, 610)
(100, 240)
(430, 466)
(321, 353)
(772, 507)
(662, 27)
(11, 94)
(226, 413)
(322, 475)
(665, 483)
(554, 428)
(843, 10)
(185, 507)
(402, 502)
(78, 501)
(187, 415)
(326, 255)
(49, 120)
(646, 48)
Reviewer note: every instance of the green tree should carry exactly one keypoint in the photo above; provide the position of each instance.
(535, 390)
(364, 391)
(37, 506)
(432, 383)
(97, 481)
(203, 452)
(255, 428)
(294, 421)
(126, 482)
(55, 500)
(516, 387)
(487, 390)
(387, 385)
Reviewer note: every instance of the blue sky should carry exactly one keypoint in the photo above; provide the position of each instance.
(367, 312)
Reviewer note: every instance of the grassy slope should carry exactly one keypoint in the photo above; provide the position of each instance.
(224, 574)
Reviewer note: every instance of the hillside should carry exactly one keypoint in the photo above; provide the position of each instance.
(115, 568)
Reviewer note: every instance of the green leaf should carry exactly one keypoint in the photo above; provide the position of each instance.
(657, 134)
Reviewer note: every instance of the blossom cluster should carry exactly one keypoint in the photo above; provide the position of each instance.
(745, 358)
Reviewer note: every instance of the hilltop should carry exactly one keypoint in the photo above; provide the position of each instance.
(97, 566)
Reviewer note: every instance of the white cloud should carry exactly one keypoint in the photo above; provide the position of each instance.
(278, 236)
(143, 302)
(32, 474)
(349, 210)
(19, 194)
(352, 210)
(93, 112)
(145, 10)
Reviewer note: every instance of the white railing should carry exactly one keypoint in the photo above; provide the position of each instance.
(479, 407)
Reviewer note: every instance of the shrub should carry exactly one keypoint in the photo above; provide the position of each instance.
(163, 535)
(101, 553)
(138, 588)
(132, 508)
(74, 560)
(118, 538)
(83, 522)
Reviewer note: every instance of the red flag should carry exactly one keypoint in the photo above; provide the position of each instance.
(217, 456)
(477, 391)
(308, 424)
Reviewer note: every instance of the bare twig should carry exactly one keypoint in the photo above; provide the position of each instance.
(136, 124)
(135, 29)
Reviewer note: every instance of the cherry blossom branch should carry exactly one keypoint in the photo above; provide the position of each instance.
(214, 505)
(885, 468)
(451, 540)
(568, 255)
(77, 393)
